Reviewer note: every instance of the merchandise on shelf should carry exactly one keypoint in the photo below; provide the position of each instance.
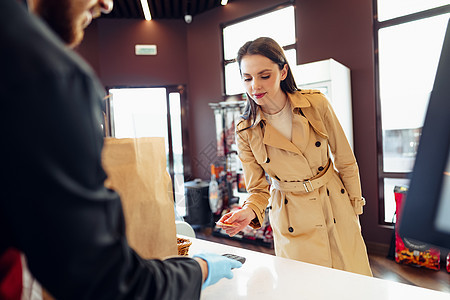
(262, 236)
(241, 183)
(215, 195)
(448, 263)
(231, 178)
(412, 252)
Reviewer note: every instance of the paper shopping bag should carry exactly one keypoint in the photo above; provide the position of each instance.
(136, 169)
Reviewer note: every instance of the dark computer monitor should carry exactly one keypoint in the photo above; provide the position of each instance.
(426, 210)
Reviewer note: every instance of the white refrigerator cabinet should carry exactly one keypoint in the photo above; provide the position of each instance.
(333, 80)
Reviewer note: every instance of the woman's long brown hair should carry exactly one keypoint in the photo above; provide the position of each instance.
(267, 47)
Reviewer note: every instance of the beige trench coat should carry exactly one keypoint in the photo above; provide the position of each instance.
(321, 226)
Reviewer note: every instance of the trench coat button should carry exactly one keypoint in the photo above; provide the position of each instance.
(270, 207)
(318, 144)
(285, 201)
(342, 191)
(267, 160)
(291, 229)
(334, 220)
(320, 168)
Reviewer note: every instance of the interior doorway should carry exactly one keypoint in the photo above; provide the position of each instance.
(133, 112)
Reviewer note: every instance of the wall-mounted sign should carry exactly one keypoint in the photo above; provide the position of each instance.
(145, 50)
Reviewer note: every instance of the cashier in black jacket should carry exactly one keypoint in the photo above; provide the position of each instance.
(54, 207)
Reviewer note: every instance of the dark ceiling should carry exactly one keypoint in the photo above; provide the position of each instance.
(161, 9)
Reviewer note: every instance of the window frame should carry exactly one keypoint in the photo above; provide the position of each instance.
(248, 17)
(382, 175)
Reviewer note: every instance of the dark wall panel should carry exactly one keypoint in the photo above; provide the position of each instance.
(117, 63)
(88, 49)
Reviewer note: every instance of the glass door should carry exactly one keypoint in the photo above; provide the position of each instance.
(154, 112)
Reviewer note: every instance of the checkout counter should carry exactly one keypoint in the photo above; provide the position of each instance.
(267, 277)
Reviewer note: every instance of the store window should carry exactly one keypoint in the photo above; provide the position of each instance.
(408, 42)
(278, 24)
(154, 112)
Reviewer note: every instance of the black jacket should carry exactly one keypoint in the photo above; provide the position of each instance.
(53, 204)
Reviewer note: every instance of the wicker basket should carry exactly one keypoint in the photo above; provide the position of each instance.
(183, 246)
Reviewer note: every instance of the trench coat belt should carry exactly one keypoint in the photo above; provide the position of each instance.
(308, 185)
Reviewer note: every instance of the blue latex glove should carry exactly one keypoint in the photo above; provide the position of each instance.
(218, 267)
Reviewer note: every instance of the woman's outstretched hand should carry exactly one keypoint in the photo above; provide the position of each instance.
(235, 221)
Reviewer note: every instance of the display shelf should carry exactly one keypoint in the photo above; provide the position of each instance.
(245, 239)
(227, 114)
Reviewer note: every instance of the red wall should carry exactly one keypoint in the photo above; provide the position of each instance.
(115, 61)
(191, 54)
(90, 46)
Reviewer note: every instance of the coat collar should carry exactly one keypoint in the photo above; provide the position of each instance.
(297, 102)
(301, 103)
(273, 137)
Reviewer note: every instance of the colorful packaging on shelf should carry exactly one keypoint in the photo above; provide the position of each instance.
(219, 131)
(408, 251)
(448, 262)
(215, 195)
(241, 183)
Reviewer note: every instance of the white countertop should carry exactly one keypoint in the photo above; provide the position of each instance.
(265, 276)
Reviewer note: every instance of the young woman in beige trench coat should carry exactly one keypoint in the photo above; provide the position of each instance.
(313, 202)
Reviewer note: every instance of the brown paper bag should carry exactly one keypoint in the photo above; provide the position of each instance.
(136, 169)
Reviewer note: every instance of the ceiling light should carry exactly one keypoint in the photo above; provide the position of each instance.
(188, 16)
(146, 10)
(224, 2)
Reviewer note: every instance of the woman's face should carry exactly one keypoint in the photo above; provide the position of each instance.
(262, 78)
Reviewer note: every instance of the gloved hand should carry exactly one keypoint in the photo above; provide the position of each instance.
(218, 267)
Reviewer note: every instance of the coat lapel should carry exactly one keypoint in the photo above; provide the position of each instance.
(300, 136)
(300, 102)
(274, 138)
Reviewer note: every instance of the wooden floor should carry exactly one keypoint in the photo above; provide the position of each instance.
(382, 267)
